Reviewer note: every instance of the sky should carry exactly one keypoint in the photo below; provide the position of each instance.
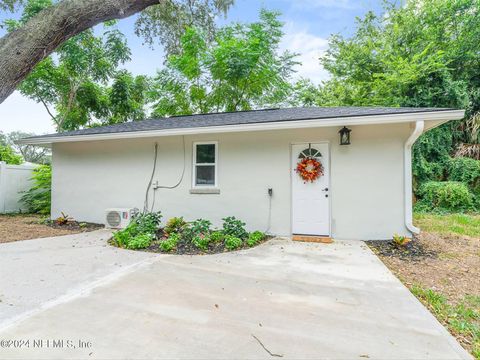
(308, 25)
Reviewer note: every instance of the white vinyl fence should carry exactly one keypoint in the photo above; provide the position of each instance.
(13, 180)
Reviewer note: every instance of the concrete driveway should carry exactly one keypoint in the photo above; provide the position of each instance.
(281, 299)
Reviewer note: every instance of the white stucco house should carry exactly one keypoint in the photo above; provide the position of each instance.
(223, 164)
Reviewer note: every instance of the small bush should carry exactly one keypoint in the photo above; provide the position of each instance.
(122, 237)
(148, 223)
(196, 228)
(232, 242)
(400, 240)
(201, 241)
(175, 225)
(255, 237)
(141, 241)
(465, 170)
(217, 236)
(8, 155)
(234, 227)
(170, 243)
(447, 196)
(38, 198)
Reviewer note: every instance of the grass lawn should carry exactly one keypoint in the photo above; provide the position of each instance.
(454, 224)
(442, 269)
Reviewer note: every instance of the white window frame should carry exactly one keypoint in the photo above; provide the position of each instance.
(194, 165)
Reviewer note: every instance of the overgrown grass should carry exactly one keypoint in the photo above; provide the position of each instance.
(457, 224)
(461, 319)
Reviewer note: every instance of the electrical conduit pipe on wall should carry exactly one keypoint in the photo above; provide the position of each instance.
(417, 131)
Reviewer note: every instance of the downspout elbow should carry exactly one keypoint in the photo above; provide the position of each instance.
(417, 131)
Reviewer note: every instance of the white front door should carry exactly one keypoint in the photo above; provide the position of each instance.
(310, 202)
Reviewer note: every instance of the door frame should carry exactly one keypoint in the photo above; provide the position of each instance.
(327, 142)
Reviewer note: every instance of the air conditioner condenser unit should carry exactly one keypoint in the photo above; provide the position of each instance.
(119, 218)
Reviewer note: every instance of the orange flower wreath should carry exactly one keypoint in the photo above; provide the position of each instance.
(309, 169)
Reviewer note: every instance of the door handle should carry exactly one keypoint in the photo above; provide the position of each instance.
(326, 189)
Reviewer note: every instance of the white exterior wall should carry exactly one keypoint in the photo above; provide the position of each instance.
(14, 179)
(367, 194)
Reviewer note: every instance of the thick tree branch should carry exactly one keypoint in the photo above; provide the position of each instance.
(25, 47)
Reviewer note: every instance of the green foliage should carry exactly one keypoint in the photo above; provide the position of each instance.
(140, 232)
(217, 236)
(140, 241)
(175, 225)
(81, 84)
(234, 227)
(167, 21)
(255, 237)
(232, 242)
(38, 197)
(447, 196)
(400, 240)
(170, 243)
(8, 155)
(147, 223)
(201, 241)
(196, 228)
(239, 69)
(465, 170)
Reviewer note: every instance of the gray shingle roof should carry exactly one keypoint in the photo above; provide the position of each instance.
(242, 117)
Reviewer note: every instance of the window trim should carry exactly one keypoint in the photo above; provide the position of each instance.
(194, 165)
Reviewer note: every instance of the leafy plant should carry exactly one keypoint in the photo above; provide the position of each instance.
(174, 225)
(201, 241)
(38, 197)
(234, 227)
(63, 219)
(464, 170)
(400, 240)
(232, 242)
(140, 241)
(8, 155)
(122, 237)
(447, 196)
(148, 223)
(217, 236)
(255, 237)
(170, 243)
(196, 228)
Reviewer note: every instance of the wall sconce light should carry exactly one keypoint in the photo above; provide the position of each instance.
(344, 136)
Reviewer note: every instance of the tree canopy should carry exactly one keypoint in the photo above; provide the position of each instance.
(239, 69)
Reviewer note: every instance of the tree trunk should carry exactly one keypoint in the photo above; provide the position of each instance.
(25, 47)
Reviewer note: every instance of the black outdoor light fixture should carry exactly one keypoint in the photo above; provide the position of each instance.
(344, 136)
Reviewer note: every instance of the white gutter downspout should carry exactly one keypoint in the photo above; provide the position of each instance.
(419, 126)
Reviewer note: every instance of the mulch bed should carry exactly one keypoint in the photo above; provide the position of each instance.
(412, 251)
(449, 264)
(187, 248)
(16, 227)
(75, 226)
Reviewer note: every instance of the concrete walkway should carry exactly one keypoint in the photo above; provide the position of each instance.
(287, 299)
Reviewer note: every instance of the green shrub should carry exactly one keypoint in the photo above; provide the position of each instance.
(148, 223)
(175, 225)
(232, 242)
(141, 241)
(234, 227)
(255, 237)
(38, 198)
(447, 196)
(201, 241)
(122, 237)
(196, 228)
(217, 236)
(170, 243)
(8, 155)
(465, 170)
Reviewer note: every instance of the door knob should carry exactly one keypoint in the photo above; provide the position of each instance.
(326, 189)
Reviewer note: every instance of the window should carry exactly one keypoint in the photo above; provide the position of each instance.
(205, 164)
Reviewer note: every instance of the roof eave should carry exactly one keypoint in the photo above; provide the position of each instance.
(444, 115)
